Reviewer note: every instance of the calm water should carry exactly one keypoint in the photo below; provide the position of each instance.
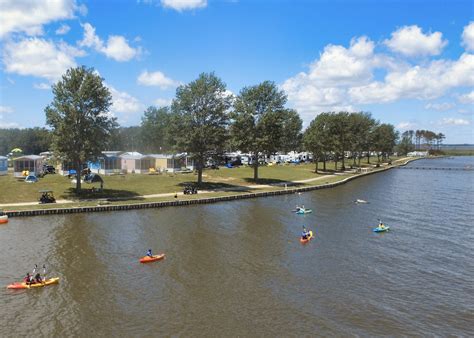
(238, 269)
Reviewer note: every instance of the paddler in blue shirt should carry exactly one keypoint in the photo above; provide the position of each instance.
(305, 233)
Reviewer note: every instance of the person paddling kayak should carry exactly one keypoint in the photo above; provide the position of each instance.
(305, 233)
(27, 279)
(38, 278)
(148, 253)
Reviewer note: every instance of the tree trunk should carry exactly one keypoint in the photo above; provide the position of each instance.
(78, 176)
(324, 162)
(316, 169)
(199, 169)
(255, 167)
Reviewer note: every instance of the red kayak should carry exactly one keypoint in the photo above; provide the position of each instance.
(154, 258)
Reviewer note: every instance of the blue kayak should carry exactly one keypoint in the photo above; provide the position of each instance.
(305, 211)
(380, 229)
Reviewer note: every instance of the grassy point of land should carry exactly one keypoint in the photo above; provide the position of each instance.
(133, 188)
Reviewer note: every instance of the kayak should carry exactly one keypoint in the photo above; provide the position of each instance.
(3, 219)
(305, 211)
(304, 241)
(379, 229)
(23, 285)
(154, 258)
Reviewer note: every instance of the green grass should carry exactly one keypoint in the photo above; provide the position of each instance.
(130, 187)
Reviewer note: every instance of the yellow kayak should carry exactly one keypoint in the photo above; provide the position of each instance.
(23, 285)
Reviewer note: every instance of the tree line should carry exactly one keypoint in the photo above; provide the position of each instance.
(333, 136)
(29, 140)
(420, 140)
(205, 121)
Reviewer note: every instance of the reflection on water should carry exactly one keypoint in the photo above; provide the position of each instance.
(237, 268)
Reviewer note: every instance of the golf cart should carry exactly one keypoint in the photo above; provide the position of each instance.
(46, 197)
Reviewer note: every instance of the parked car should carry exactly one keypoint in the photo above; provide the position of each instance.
(31, 179)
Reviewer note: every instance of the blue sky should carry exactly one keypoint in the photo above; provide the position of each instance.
(409, 63)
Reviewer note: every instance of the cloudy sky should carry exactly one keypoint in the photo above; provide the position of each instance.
(409, 63)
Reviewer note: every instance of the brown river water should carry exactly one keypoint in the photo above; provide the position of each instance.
(238, 269)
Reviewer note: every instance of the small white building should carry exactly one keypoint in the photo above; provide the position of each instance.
(417, 154)
(31, 163)
(108, 163)
(173, 163)
(137, 163)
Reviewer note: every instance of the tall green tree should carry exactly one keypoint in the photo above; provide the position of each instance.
(341, 127)
(200, 118)
(127, 139)
(30, 140)
(439, 140)
(406, 143)
(385, 139)
(313, 140)
(259, 119)
(292, 137)
(78, 116)
(361, 125)
(156, 129)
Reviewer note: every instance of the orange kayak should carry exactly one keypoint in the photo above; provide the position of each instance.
(310, 237)
(23, 285)
(154, 258)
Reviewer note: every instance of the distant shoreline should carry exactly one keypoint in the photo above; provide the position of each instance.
(199, 199)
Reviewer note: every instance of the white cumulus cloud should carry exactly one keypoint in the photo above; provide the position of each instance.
(411, 41)
(181, 5)
(324, 86)
(122, 102)
(116, 48)
(160, 102)
(419, 82)
(467, 98)
(42, 86)
(39, 57)
(468, 37)
(29, 16)
(3, 124)
(343, 78)
(64, 29)
(440, 106)
(6, 110)
(340, 65)
(454, 122)
(406, 125)
(156, 79)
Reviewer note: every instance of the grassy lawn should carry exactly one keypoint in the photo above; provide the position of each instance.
(131, 186)
(91, 203)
